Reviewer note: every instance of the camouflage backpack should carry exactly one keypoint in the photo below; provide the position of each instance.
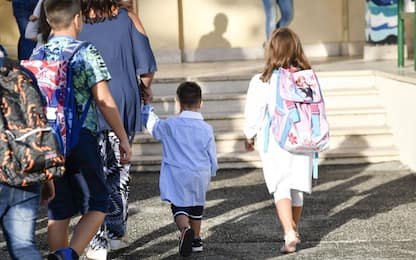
(29, 150)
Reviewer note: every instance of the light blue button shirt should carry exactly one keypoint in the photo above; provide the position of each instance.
(189, 156)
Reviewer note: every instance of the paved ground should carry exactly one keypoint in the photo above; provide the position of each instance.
(355, 212)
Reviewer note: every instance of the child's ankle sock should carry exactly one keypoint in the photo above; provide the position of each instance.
(64, 254)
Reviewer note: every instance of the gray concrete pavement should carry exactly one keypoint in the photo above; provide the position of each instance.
(354, 212)
(357, 212)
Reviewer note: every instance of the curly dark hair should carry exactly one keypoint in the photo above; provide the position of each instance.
(102, 9)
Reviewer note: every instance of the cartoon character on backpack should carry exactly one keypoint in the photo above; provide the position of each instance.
(299, 121)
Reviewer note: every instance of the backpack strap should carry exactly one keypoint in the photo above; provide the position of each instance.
(316, 125)
(315, 165)
(69, 51)
(267, 132)
(269, 117)
(38, 53)
(67, 54)
(72, 48)
(293, 113)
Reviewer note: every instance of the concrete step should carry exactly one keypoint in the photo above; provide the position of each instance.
(352, 117)
(346, 79)
(351, 98)
(231, 142)
(235, 102)
(151, 163)
(213, 85)
(356, 117)
(341, 117)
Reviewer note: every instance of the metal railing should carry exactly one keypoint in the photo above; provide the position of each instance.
(400, 35)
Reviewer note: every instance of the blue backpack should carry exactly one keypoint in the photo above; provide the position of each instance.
(55, 82)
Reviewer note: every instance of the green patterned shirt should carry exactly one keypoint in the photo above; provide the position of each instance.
(88, 68)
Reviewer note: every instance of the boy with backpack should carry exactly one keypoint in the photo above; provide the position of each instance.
(189, 160)
(19, 204)
(82, 189)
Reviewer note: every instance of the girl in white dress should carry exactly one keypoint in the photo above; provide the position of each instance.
(287, 175)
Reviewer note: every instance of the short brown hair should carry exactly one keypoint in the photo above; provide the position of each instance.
(189, 94)
(60, 13)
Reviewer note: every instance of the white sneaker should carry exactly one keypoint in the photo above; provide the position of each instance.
(96, 254)
(117, 244)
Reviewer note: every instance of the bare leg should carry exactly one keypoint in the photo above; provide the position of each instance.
(85, 230)
(296, 213)
(58, 233)
(187, 235)
(196, 226)
(182, 222)
(284, 212)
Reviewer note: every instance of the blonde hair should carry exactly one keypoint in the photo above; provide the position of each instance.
(283, 50)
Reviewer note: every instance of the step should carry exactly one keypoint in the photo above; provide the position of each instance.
(352, 98)
(213, 86)
(239, 83)
(212, 103)
(252, 159)
(346, 79)
(231, 142)
(352, 117)
(341, 117)
(235, 103)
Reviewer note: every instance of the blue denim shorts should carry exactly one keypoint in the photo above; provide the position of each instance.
(194, 212)
(83, 187)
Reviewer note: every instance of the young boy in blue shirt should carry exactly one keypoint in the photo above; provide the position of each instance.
(188, 162)
(82, 189)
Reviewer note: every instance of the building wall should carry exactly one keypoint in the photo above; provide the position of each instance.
(185, 30)
(225, 29)
(396, 93)
(9, 32)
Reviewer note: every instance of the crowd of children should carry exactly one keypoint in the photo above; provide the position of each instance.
(116, 70)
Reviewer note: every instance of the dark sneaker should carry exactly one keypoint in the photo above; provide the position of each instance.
(197, 245)
(185, 242)
(64, 254)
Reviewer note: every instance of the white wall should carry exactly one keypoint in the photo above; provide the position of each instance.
(398, 96)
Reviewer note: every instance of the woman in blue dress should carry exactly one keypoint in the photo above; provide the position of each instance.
(131, 63)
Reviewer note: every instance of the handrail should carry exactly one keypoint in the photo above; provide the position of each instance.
(400, 35)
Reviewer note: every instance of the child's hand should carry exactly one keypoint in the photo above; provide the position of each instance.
(249, 144)
(33, 18)
(147, 95)
(48, 193)
(125, 152)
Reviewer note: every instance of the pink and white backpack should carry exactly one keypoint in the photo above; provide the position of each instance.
(299, 121)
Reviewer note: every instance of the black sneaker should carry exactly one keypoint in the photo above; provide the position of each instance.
(197, 245)
(185, 242)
